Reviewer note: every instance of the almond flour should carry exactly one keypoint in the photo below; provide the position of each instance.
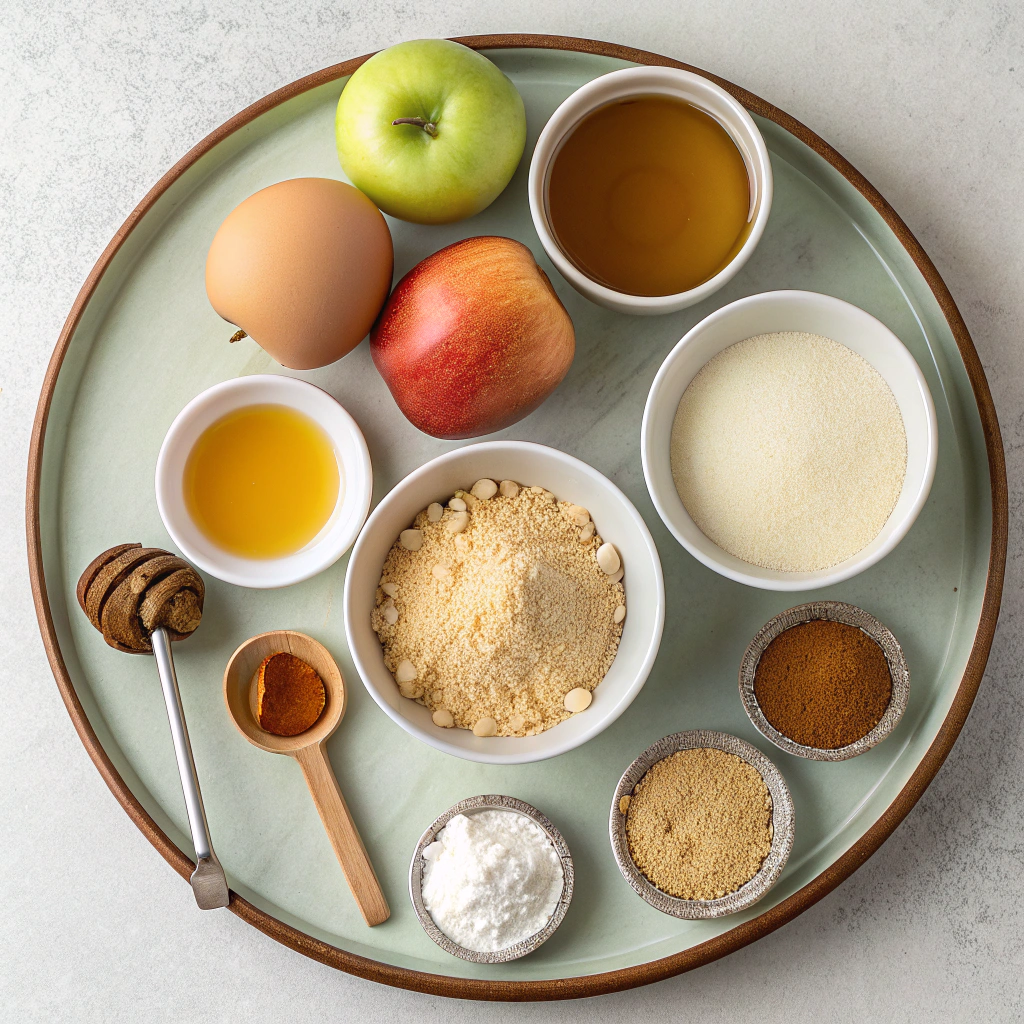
(503, 610)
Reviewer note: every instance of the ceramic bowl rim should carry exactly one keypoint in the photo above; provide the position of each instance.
(587, 99)
(532, 942)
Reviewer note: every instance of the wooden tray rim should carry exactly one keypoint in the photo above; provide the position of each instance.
(721, 945)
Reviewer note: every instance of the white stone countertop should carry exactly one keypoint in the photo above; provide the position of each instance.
(99, 97)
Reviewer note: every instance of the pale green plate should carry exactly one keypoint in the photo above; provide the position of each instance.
(143, 340)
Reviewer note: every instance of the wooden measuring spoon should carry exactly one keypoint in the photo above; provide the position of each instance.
(309, 748)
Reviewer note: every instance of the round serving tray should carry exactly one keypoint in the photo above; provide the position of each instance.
(141, 340)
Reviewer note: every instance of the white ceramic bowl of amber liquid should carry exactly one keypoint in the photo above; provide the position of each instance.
(341, 525)
(632, 84)
(569, 479)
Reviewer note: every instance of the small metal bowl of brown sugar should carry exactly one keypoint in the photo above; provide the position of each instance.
(825, 680)
(701, 825)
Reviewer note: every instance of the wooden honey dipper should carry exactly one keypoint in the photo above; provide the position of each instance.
(141, 599)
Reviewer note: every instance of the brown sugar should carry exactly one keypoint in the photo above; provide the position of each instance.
(289, 695)
(823, 684)
(699, 823)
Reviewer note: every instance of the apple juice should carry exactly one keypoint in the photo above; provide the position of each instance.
(649, 196)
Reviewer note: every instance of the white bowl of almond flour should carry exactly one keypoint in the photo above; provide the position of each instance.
(789, 440)
(504, 602)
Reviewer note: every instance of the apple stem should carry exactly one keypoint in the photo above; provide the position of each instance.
(237, 336)
(428, 126)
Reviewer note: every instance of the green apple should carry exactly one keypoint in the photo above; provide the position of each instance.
(430, 130)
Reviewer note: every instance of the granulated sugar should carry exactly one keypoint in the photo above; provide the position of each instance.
(789, 451)
(495, 611)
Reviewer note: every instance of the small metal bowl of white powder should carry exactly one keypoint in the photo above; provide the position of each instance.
(491, 879)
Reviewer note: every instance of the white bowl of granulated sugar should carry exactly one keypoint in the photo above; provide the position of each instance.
(789, 440)
(504, 603)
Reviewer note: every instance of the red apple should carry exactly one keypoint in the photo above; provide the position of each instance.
(473, 338)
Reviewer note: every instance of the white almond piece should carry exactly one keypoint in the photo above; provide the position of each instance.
(406, 672)
(608, 559)
(410, 691)
(578, 700)
(463, 544)
(548, 496)
(587, 532)
(619, 614)
(441, 572)
(390, 613)
(457, 504)
(484, 489)
(411, 540)
(485, 727)
(458, 522)
(434, 512)
(578, 515)
(508, 488)
(443, 718)
(516, 723)
(391, 589)
(615, 577)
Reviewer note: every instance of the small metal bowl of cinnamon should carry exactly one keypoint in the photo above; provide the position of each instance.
(824, 680)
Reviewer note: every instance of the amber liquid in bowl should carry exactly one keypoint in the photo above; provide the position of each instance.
(649, 196)
(262, 481)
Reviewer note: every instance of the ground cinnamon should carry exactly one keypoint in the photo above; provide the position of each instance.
(290, 695)
(823, 684)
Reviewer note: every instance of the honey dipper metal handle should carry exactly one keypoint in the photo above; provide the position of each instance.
(208, 881)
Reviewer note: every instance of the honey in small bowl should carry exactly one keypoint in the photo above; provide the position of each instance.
(262, 481)
(649, 196)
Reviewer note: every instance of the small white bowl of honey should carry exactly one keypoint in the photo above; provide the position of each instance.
(263, 481)
(650, 188)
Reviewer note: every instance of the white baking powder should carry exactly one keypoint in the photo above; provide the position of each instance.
(491, 879)
(789, 451)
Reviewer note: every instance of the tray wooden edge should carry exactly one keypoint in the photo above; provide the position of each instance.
(656, 970)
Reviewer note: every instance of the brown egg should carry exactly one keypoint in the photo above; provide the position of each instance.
(303, 267)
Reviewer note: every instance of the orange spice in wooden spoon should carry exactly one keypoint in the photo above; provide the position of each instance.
(289, 695)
